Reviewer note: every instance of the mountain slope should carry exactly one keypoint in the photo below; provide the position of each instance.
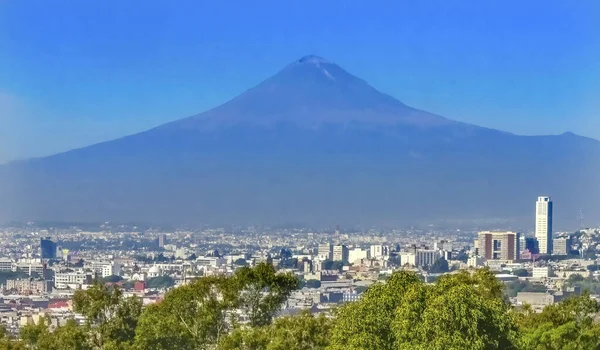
(311, 144)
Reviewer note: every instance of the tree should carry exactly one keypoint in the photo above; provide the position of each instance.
(262, 292)
(192, 257)
(161, 282)
(567, 325)
(301, 332)
(199, 314)
(240, 262)
(289, 263)
(460, 311)
(439, 266)
(111, 319)
(111, 279)
(32, 334)
(71, 336)
(190, 317)
(520, 273)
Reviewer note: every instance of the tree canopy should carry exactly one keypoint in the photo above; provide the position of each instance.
(460, 311)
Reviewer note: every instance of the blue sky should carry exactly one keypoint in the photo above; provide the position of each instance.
(74, 73)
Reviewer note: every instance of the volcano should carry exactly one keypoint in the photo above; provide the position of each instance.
(312, 144)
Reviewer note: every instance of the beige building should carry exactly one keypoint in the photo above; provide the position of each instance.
(498, 245)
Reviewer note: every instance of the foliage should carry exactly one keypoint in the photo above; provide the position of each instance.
(198, 315)
(589, 284)
(520, 273)
(160, 282)
(262, 292)
(287, 333)
(11, 275)
(440, 266)
(110, 279)
(111, 319)
(288, 263)
(513, 288)
(568, 325)
(192, 257)
(360, 289)
(312, 284)
(240, 262)
(460, 311)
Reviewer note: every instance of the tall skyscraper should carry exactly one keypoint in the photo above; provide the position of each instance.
(162, 238)
(543, 224)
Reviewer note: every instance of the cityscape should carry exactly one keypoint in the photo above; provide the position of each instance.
(41, 268)
(314, 175)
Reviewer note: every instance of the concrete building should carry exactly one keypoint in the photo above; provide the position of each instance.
(47, 248)
(426, 257)
(325, 251)
(71, 279)
(162, 240)
(500, 245)
(561, 246)
(542, 272)
(29, 286)
(378, 251)
(543, 224)
(340, 253)
(6, 265)
(357, 254)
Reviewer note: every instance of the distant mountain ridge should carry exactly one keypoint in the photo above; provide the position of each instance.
(312, 144)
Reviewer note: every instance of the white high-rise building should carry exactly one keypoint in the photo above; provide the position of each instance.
(543, 224)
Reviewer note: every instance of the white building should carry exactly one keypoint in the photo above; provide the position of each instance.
(340, 253)
(70, 279)
(427, 257)
(325, 251)
(378, 251)
(105, 268)
(6, 264)
(542, 272)
(543, 224)
(357, 254)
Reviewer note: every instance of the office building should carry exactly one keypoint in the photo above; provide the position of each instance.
(6, 265)
(340, 253)
(426, 257)
(378, 251)
(561, 246)
(357, 254)
(47, 248)
(542, 272)
(499, 245)
(543, 224)
(325, 251)
(162, 240)
(531, 244)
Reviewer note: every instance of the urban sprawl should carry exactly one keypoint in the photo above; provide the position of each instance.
(41, 268)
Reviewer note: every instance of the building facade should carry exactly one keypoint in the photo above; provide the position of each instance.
(501, 245)
(340, 253)
(543, 224)
(561, 246)
(325, 251)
